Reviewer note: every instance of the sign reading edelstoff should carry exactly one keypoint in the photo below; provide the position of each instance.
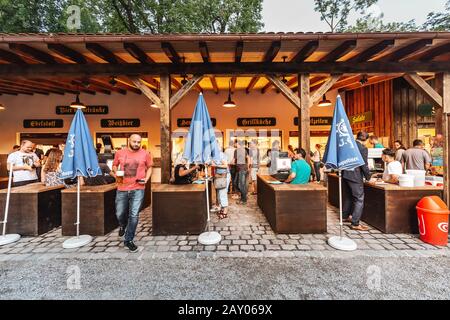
(87, 110)
(256, 122)
(43, 123)
(186, 122)
(317, 121)
(362, 117)
(120, 123)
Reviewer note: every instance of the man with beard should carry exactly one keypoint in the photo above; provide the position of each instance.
(25, 162)
(134, 165)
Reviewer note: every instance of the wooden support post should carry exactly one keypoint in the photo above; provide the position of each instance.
(166, 141)
(285, 90)
(184, 90)
(443, 88)
(304, 113)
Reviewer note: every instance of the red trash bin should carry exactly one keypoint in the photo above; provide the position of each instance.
(432, 214)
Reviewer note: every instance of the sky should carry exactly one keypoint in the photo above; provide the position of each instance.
(299, 15)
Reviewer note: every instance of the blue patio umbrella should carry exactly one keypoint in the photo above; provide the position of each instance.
(341, 153)
(201, 148)
(80, 160)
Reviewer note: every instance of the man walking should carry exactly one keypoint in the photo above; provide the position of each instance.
(242, 167)
(353, 181)
(134, 164)
(25, 162)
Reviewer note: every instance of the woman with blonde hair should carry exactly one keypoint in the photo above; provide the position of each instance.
(51, 172)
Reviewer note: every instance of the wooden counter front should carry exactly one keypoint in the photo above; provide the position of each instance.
(4, 182)
(34, 209)
(97, 210)
(392, 209)
(388, 207)
(293, 208)
(179, 209)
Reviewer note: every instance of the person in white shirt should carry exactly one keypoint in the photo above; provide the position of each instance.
(229, 153)
(393, 168)
(24, 162)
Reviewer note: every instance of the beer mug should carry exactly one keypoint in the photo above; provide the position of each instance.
(119, 176)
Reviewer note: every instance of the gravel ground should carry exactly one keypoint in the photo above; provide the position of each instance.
(229, 278)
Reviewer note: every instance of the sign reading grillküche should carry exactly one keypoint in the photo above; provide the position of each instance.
(256, 122)
(120, 123)
(88, 110)
(362, 117)
(186, 122)
(317, 121)
(43, 123)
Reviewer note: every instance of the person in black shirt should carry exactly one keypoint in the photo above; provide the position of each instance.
(183, 175)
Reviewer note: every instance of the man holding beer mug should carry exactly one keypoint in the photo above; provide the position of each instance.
(132, 168)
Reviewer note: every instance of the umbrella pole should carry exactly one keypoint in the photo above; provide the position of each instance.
(78, 207)
(5, 221)
(207, 195)
(340, 202)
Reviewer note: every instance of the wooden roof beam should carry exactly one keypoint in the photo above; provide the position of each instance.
(204, 51)
(137, 53)
(252, 83)
(214, 84)
(20, 89)
(92, 86)
(372, 51)
(233, 84)
(238, 51)
(316, 96)
(372, 81)
(176, 98)
(30, 87)
(340, 51)
(125, 83)
(418, 83)
(11, 57)
(407, 50)
(106, 85)
(45, 85)
(103, 53)
(306, 51)
(152, 96)
(66, 86)
(285, 90)
(67, 53)
(170, 52)
(33, 53)
(435, 52)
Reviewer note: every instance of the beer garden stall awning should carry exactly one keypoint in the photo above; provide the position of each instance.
(164, 67)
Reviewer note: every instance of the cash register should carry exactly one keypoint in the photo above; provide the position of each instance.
(375, 162)
(283, 166)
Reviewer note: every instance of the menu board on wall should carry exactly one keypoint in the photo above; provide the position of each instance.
(186, 122)
(256, 122)
(43, 123)
(317, 121)
(120, 123)
(65, 110)
(362, 117)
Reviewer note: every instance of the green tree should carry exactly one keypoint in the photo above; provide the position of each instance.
(335, 12)
(439, 21)
(370, 23)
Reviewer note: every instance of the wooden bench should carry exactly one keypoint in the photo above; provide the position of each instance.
(97, 210)
(34, 209)
(179, 209)
(292, 208)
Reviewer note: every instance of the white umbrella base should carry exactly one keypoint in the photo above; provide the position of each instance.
(76, 242)
(9, 238)
(209, 238)
(342, 243)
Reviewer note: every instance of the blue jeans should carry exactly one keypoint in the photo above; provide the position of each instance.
(128, 206)
(243, 184)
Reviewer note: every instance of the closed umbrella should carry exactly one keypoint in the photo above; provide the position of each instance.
(201, 148)
(80, 160)
(341, 153)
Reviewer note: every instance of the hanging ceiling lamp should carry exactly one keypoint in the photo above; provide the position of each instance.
(324, 102)
(229, 103)
(77, 104)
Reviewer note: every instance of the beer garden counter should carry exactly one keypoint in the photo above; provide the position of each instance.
(291, 208)
(387, 207)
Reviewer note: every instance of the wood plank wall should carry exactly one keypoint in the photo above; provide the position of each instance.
(377, 98)
(406, 120)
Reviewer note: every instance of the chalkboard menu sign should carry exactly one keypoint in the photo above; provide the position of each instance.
(88, 110)
(43, 123)
(120, 123)
(186, 122)
(317, 121)
(256, 122)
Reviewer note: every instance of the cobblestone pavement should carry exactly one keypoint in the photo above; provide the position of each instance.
(245, 233)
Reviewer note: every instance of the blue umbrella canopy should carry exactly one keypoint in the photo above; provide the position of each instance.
(341, 151)
(201, 144)
(80, 158)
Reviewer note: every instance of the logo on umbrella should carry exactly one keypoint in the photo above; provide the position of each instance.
(344, 136)
(72, 145)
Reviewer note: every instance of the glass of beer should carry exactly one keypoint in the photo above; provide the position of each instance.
(119, 176)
